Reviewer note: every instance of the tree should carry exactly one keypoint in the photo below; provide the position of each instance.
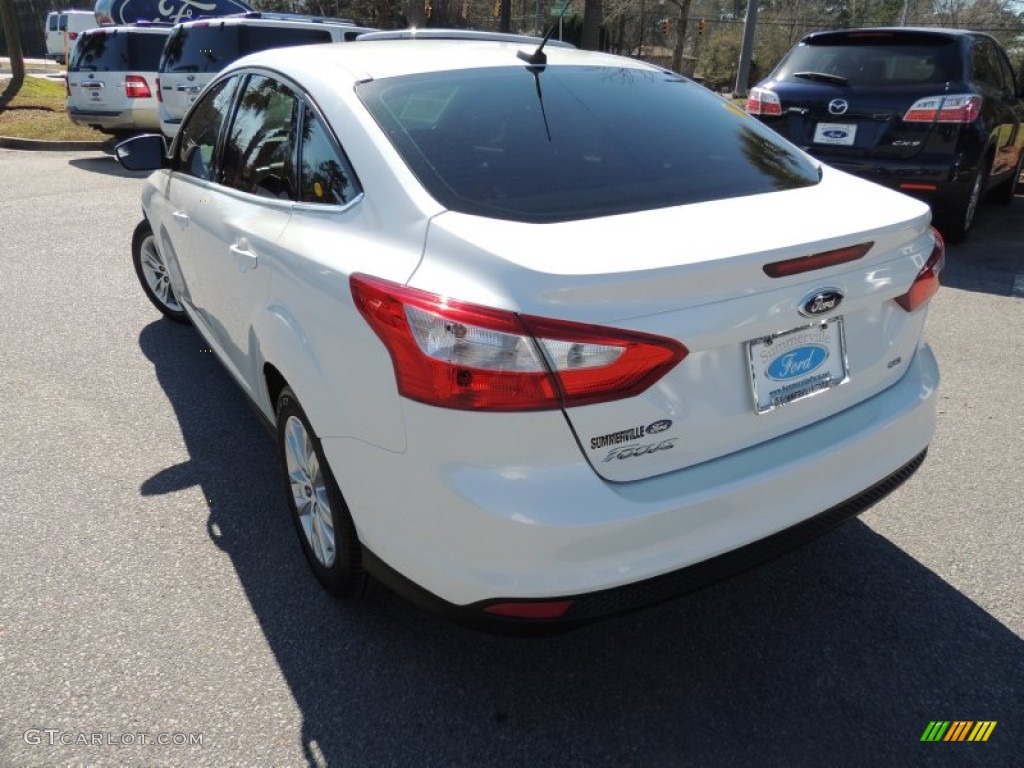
(593, 18)
(681, 22)
(12, 34)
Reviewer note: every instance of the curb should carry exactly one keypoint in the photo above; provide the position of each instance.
(8, 142)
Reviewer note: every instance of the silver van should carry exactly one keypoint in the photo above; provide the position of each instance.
(198, 50)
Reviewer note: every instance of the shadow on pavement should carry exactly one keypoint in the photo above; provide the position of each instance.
(993, 256)
(837, 654)
(107, 165)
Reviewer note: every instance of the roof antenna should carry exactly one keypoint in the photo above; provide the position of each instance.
(538, 58)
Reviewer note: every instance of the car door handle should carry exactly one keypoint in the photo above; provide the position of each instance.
(189, 88)
(243, 257)
(182, 218)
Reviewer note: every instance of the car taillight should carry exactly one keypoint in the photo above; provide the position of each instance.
(763, 102)
(72, 35)
(159, 95)
(454, 354)
(926, 284)
(959, 108)
(135, 87)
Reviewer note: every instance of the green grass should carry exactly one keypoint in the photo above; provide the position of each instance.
(37, 112)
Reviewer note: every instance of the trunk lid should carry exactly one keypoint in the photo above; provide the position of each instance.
(696, 274)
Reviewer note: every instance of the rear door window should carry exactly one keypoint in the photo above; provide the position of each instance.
(118, 51)
(261, 37)
(51, 22)
(206, 47)
(325, 175)
(260, 145)
(876, 60)
(209, 47)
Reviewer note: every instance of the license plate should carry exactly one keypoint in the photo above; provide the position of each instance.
(790, 366)
(839, 134)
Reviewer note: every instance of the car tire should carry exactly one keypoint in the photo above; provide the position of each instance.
(322, 519)
(1007, 190)
(956, 224)
(151, 270)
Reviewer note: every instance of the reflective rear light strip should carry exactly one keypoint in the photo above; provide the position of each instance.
(926, 284)
(816, 261)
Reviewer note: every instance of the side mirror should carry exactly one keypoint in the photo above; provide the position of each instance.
(142, 153)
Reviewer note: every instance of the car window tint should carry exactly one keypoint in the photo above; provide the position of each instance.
(984, 68)
(199, 132)
(577, 142)
(259, 147)
(261, 37)
(51, 23)
(1009, 79)
(203, 47)
(63, 22)
(118, 51)
(325, 176)
(875, 62)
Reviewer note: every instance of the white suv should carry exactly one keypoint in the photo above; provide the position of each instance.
(111, 80)
(198, 50)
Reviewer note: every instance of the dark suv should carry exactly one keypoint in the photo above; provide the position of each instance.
(935, 113)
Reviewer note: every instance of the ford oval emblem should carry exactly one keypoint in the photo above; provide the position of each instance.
(821, 302)
(797, 362)
(657, 427)
(836, 134)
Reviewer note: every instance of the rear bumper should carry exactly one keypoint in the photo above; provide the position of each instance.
(593, 606)
(456, 533)
(940, 184)
(138, 117)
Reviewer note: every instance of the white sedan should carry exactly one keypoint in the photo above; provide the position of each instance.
(543, 335)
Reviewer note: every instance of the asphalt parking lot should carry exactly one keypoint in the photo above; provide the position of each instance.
(152, 589)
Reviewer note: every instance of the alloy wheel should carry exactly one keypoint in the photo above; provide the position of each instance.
(155, 273)
(309, 492)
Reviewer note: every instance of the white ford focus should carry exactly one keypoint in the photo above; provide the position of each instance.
(542, 337)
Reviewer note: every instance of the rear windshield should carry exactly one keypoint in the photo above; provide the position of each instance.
(577, 142)
(118, 51)
(876, 59)
(211, 47)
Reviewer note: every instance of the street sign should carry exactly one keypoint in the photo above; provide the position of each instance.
(558, 7)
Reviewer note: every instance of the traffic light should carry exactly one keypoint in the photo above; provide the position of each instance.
(701, 26)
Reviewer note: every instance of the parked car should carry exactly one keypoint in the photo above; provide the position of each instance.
(935, 113)
(112, 77)
(198, 50)
(63, 29)
(543, 335)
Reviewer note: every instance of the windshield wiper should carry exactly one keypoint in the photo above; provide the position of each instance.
(823, 77)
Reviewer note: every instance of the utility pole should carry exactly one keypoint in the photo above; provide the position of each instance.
(747, 50)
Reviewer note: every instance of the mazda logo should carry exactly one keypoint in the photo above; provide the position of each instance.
(838, 106)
